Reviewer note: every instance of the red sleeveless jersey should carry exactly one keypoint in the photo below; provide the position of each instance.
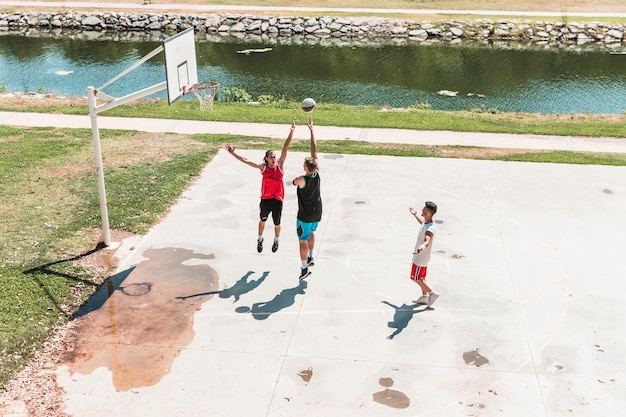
(272, 185)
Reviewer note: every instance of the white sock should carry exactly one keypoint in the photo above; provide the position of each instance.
(304, 264)
(260, 239)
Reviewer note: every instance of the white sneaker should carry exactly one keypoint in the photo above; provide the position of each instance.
(422, 300)
(432, 298)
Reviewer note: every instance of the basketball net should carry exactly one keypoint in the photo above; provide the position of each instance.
(205, 92)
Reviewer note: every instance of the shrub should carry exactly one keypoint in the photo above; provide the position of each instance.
(234, 94)
(422, 105)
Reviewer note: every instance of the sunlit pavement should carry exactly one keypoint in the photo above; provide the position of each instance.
(528, 259)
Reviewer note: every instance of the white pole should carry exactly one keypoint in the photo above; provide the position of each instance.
(105, 234)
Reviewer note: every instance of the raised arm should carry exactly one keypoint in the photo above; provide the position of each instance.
(313, 143)
(231, 150)
(417, 216)
(283, 153)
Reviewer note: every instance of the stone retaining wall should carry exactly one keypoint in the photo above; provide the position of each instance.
(610, 35)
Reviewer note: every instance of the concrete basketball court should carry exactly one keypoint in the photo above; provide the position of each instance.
(528, 259)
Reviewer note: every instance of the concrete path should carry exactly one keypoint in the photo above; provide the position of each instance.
(212, 8)
(610, 145)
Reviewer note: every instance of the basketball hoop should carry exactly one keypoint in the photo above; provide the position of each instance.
(205, 92)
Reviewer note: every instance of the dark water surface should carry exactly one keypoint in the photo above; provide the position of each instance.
(503, 76)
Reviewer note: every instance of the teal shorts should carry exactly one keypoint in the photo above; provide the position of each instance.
(304, 229)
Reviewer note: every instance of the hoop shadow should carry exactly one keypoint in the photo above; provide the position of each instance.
(103, 293)
(402, 316)
(284, 299)
(242, 286)
(39, 273)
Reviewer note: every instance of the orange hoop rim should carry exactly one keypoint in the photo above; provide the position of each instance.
(195, 88)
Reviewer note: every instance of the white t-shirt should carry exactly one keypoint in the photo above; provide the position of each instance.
(422, 258)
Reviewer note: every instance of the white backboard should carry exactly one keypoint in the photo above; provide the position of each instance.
(181, 68)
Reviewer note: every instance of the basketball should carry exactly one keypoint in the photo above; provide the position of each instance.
(308, 105)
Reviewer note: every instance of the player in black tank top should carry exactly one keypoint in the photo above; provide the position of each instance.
(309, 206)
(310, 199)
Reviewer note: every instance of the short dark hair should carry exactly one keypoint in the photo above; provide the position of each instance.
(311, 163)
(431, 206)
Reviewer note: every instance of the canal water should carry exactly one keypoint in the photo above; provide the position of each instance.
(512, 77)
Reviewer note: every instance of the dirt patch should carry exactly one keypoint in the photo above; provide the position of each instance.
(17, 100)
(34, 391)
(482, 153)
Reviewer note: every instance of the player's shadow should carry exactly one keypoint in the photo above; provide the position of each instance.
(242, 286)
(284, 299)
(402, 316)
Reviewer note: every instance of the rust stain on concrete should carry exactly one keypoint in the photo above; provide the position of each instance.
(389, 397)
(137, 326)
(306, 374)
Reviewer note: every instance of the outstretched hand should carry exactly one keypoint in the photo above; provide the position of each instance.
(311, 122)
(230, 148)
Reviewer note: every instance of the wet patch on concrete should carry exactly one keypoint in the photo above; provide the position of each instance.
(137, 323)
(473, 357)
(607, 191)
(306, 375)
(389, 397)
(137, 290)
(556, 367)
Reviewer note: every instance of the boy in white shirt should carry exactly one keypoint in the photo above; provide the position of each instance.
(421, 254)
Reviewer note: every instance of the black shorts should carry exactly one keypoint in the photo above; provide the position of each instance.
(273, 206)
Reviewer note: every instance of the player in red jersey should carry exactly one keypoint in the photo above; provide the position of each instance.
(272, 187)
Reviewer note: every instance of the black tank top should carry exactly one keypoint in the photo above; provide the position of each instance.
(310, 199)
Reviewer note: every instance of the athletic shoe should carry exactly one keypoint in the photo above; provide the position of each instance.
(304, 272)
(432, 298)
(310, 261)
(275, 246)
(259, 245)
(422, 300)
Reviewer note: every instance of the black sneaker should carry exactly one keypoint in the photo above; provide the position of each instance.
(310, 261)
(304, 272)
(259, 245)
(275, 246)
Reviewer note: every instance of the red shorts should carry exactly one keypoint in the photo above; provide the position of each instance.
(418, 272)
